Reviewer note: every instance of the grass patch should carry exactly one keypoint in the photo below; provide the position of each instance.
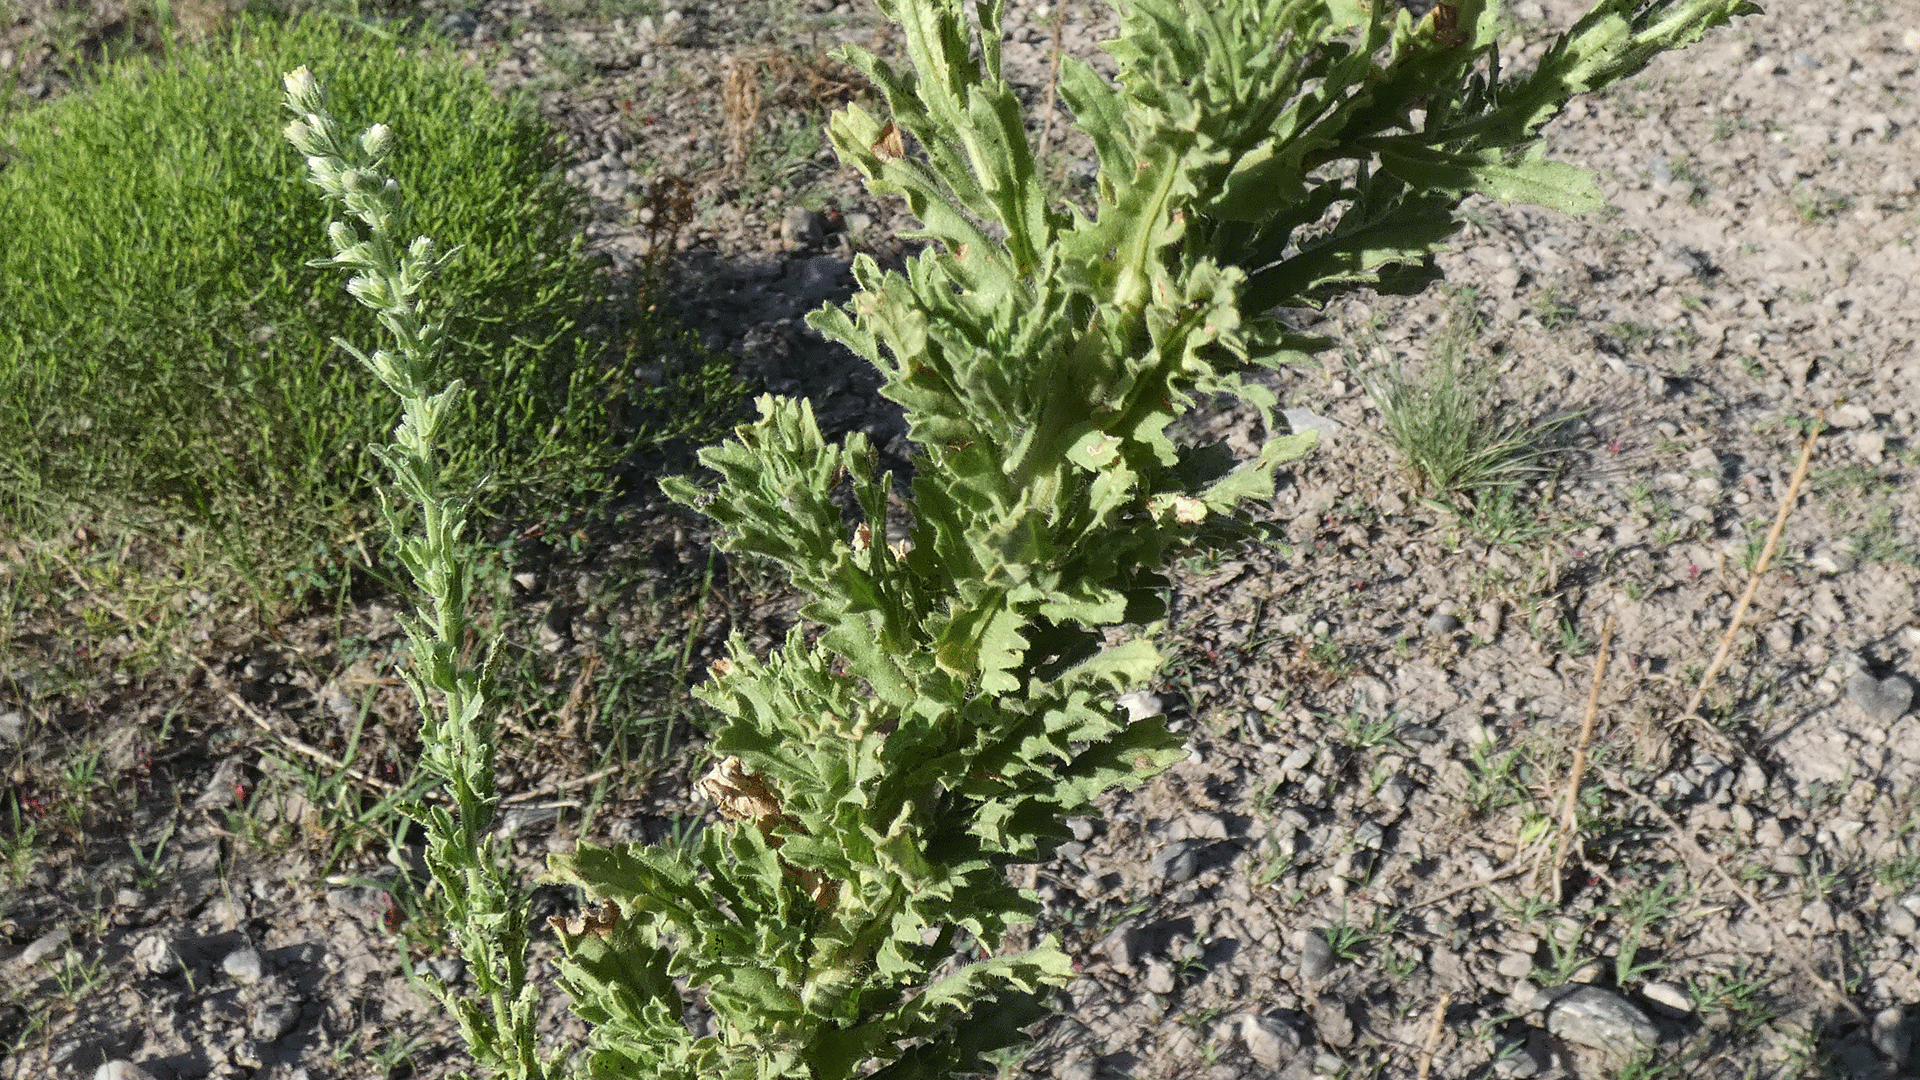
(171, 356)
(1453, 434)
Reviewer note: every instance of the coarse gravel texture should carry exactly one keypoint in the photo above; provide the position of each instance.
(1383, 698)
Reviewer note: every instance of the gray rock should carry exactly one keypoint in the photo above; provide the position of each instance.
(273, 1020)
(459, 24)
(1891, 1036)
(243, 966)
(1316, 956)
(1159, 979)
(1395, 792)
(1884, 700)
(121, 1069)
(1270, 1041)
(13, 723)
(1301, 420)
(1900, 922)
(802, 227)
(1177, 862)
(1141, 705)
(1601, 1019)
(1442, 622)
(154, 955)
(42, 947)
(1331, 1022)
(1667, 998)
(448, 969)
(1125, 946)
(1515, 965)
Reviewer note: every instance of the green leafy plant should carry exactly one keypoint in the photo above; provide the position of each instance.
(951, 695)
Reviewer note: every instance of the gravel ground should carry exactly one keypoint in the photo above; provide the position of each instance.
(1383, 700)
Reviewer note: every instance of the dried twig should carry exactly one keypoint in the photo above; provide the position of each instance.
(1512, 867)
(1053, 85)
(559, 786)
(1434, 1030)
(1691, 713)
(1569, 813)
(225, 689)
(567, 719)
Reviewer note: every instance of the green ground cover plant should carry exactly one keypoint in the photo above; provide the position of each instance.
(168, 357)
(951, 696)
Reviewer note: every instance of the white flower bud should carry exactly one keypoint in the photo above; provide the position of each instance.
(341, 236)
(302, 90)
(375, 140)
(421, 250)
(325, 173)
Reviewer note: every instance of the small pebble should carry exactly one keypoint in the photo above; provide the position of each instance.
(44, 946)
(1885, 700)
(1667, 998)
(1900, 922)
(1270, 1042)
(242, 966)
(1316, 956)
(1177, 862)
(1602, 1019)
(1159, 979)
(801, 227)
(1891, 1035)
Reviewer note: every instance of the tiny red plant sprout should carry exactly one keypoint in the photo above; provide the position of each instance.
(1693, 571)
(1616, 446)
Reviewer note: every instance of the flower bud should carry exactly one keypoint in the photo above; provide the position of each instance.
(302, 90)
(375, 140)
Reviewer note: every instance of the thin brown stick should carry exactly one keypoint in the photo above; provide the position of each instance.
(1500, 873)
(1053, 85)
(225, 689)
(1569, 812)
(1753, 579)
(1434, 1029)
(567, 720)
(561, 785)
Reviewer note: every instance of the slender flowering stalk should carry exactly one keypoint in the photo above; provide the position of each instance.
(482, 901)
